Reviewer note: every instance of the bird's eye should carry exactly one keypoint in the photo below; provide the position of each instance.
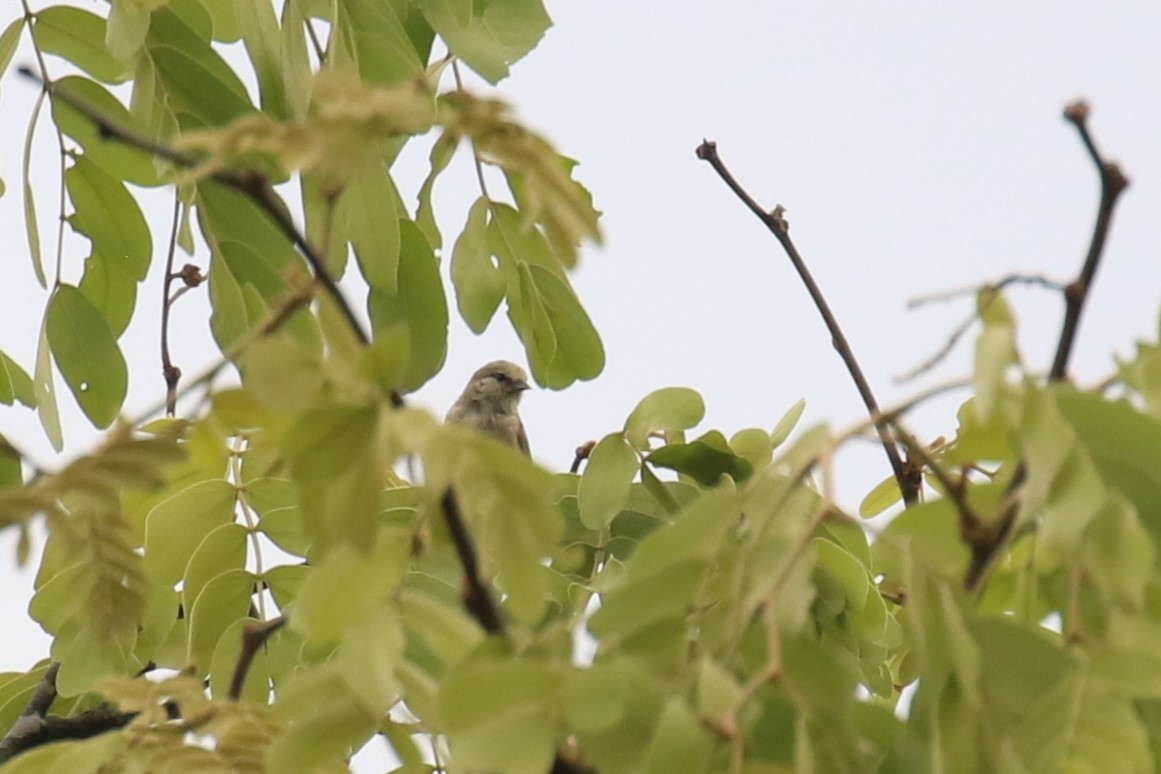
(502, 378)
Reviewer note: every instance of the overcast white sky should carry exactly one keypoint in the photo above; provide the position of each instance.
(916, 146)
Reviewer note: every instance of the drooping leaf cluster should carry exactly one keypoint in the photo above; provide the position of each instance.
(268, 585)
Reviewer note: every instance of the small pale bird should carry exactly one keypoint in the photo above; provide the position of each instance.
(488, 404)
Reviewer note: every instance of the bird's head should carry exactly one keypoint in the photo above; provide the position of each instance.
(500, 384)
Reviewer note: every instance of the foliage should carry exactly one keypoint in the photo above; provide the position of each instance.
(684, 605)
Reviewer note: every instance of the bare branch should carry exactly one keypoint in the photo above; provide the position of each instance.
(1113, 183)
(775, 221)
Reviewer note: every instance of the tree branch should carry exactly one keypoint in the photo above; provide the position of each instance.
(254, 636)
(250, 183)
(477, 598)
(33, 728)
(1113, 183)
(776, 222)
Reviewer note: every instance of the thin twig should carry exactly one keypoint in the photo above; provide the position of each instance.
(1113, 183)
(170, 372)
(250, 183)
(1035, 280)
(776, 223)
(254, 637)
(477, 599)
(963, 327)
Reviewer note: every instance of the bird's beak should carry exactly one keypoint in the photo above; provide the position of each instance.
(521, 385)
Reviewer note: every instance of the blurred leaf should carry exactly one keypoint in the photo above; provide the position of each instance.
(670, 408)
(884, 494)
(497, 714)
(995, 351)
(786, 424)
(679, 744)
(87, 354)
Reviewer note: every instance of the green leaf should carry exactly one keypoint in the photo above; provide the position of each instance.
(604, 487)
(78, 36)
(419, 304)
(9, 40)
(87, 354)
(346, 587)
(441, 154)
(478, 282)
(385, 53)
(1125, 447)
(594, 699)
(705, 460)
(490, 36)
(128, 24)
(202, 88)
(670, 408)
(324, 718)
(325, 442)
(261, 36)
(498, 717)
(109, 215)
(561, 342)
(995, 351)
(45, 390)
(884, 494)
(177, 526)
(680, 743)
(112, 292)
(222, 601)
(786, 424)
(31, 229)
(374, 227)
(116, 159)
(15, 383)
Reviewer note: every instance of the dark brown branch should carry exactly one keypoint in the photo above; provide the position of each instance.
(477, 598)
(582, 453)
(776, 223)
(250, 183)
(33, 728)
(254, 637)
(1113, 183)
